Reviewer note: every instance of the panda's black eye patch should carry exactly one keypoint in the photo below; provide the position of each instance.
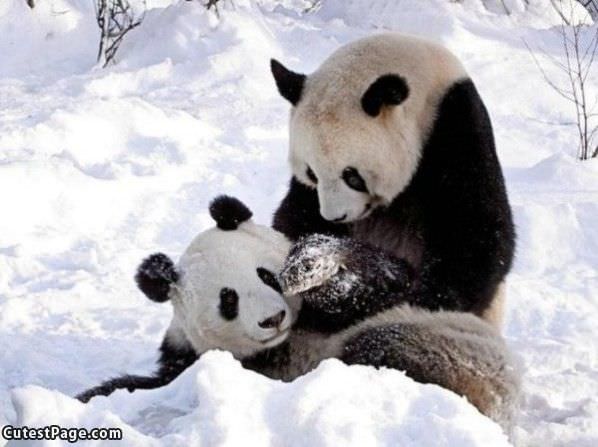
(354, 180)
(229, 303)
(311, 176)
(269, 279)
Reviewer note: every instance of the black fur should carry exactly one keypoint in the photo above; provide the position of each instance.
(173, 361)
(290, 84)
(354, 180)
(229, 212)
(299, 214)
(469, 359)
(455, 207)
(155, 275)
(229, 304)
(269, 279)
(311, 175)
(272, 358)
(369, 281)
(387, 90)
(397, 346)
(401, 346)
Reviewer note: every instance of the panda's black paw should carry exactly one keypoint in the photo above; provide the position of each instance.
(334, 274)
(316, 270)
(154, 276)
(312, 261)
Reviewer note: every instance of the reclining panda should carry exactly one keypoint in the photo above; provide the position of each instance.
(343, 300)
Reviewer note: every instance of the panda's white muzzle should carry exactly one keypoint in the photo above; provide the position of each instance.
(271, 321)
(339, 203)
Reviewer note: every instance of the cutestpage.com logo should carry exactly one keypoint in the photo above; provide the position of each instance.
(55, 432)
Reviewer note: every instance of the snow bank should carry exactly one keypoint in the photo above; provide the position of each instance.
(217, 402)
(41, 41)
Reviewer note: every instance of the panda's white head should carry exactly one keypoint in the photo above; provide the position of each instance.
(359, 123)
(224, 290)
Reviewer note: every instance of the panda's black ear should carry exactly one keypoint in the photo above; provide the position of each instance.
(387, 90)
(154, 276)
(290, 84)
(229, 212)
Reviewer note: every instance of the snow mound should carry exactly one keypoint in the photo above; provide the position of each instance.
(217, 402)
(561, 173)
(47, 30)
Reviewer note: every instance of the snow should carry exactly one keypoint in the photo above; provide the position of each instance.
(216, 402)
(100, 167)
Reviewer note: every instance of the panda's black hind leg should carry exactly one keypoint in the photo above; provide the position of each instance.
(401, 346)
(473, 364)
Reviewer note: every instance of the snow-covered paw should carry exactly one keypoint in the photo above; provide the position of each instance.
(312, 261)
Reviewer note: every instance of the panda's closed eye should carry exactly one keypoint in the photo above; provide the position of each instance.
(311, 175)
(269, 279)
(229, 303)
(354, 180)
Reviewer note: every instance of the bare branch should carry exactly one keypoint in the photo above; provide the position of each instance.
(115, 19)
(559, 11)
(593, 49)
(578, 60)
(562, 92)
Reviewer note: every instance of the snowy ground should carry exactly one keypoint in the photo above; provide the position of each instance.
(99, 167)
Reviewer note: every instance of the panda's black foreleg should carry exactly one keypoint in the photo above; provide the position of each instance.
(172, 362)
(342, 281)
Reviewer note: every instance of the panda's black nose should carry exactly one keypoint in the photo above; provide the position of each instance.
(273, 321)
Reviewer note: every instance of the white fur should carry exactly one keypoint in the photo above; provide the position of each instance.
(495, 314)
(217, 259)
(329, 131)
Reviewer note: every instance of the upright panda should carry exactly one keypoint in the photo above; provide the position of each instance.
(226, 295)
(391, 144)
